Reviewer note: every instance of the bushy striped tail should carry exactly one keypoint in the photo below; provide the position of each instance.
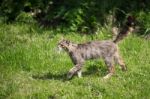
(129, 27)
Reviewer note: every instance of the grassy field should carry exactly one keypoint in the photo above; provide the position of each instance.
(32, 68)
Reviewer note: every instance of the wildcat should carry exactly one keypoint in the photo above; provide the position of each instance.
(106, 49)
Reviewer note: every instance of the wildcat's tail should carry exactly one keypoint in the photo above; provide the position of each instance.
(129, 27)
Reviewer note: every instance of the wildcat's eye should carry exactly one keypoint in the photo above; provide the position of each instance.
(62, 45)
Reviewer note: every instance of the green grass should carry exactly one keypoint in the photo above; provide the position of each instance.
(31, 67)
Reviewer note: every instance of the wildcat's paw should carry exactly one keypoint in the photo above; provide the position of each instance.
(124, 69)
(69, 75)
(79, 74)
(107, 76)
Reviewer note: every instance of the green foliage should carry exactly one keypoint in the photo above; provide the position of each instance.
(144, 20)
(25, 17)
(11, 8)
(84, 16)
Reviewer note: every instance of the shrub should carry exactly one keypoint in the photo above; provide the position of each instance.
(144, 22)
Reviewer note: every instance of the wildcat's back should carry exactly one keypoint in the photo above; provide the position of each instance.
(96, 49)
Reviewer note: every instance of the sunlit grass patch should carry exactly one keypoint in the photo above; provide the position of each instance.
(32, 67)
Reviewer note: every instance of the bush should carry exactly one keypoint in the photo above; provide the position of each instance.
(84, 16)
(144, 22)
(25, 18)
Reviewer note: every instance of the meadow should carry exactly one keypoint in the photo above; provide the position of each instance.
(32, 68)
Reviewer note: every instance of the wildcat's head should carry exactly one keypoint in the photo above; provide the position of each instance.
(64, 44)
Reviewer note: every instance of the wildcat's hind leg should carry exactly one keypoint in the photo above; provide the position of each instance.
(122, 64)
(119, 60)
(110, 65)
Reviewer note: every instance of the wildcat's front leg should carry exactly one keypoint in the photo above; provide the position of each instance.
(110, 65)
(74, 70)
